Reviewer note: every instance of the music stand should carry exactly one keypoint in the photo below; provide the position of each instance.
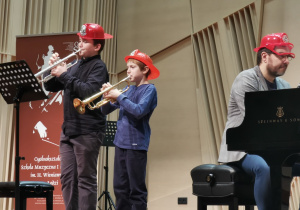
(18, 84)
(111, 128)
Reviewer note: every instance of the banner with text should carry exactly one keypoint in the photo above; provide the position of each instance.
(40, 121)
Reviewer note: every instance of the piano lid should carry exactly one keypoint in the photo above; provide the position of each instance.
(272, 121)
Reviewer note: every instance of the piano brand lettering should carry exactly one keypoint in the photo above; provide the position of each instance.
(272, 121)
(279, 114)
(286, 120)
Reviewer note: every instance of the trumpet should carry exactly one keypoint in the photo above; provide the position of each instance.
(80, 105)
(48, 77)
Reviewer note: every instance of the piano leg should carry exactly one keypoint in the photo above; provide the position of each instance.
(280, 187)
(286, 180)
(281, 178)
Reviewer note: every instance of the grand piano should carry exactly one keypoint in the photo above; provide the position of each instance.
(271, 129)
(272, 122)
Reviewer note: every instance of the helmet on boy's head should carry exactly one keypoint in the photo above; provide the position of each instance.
(144, 58)
(93, 31)
(271, 41)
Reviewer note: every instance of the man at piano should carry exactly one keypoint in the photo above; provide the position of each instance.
(273, 57)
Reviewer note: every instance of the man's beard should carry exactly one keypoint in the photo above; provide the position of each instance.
(274, 71)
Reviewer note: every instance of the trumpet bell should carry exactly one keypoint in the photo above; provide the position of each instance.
(79, 106)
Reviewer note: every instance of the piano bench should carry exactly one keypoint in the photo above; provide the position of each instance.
(222, 185)
(29, 189)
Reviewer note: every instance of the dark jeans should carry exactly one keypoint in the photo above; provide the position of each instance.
(129, 179)
(79, 155)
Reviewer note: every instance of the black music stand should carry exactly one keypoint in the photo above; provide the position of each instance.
(18, 84)
(111, 128)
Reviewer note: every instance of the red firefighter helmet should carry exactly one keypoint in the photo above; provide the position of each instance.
(93, 31)
(144, 58)
(270, 41)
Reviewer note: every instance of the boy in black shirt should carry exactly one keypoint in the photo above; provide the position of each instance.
(81, 135)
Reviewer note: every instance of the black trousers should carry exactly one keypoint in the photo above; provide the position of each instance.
(79, 155)
(129, 179)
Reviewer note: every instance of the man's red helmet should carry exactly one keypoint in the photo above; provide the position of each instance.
(93, 31)
(144, 58)
(270, 42)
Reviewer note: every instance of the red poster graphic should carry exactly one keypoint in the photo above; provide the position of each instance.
(40, 121)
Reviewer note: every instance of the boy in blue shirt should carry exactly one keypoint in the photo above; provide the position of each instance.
(133, 131)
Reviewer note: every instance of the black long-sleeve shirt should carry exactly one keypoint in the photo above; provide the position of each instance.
(81, 81)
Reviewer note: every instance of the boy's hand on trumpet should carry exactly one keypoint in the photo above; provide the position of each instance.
(111, 94)
(57, 70)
